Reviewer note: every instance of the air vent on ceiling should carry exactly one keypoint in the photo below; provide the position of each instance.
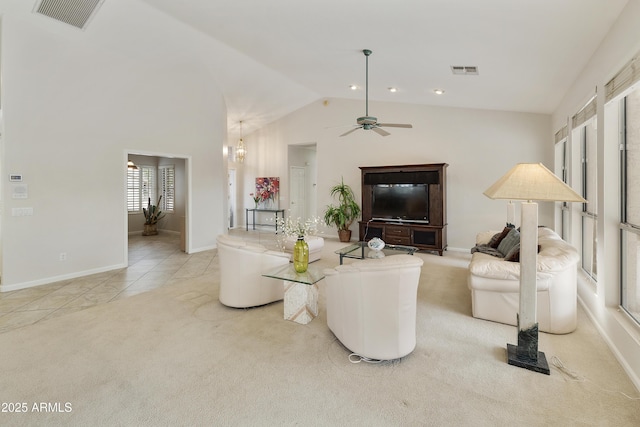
(467, 70)
(73, 12)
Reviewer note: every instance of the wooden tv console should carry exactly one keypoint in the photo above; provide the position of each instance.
(431, 236)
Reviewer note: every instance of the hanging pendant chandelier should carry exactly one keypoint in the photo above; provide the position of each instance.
(241, 150)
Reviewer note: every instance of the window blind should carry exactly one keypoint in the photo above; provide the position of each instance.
(587, 112)
(561, 134)
(626, 77)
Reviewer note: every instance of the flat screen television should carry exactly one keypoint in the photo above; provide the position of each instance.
(400, 202)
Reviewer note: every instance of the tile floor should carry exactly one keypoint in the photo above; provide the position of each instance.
(154, 261)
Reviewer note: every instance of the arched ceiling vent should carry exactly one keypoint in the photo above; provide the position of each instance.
(73, 12)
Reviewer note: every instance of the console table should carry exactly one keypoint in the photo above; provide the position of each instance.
(253, 211)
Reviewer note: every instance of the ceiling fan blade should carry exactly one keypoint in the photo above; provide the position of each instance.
(395, 125)
(380, 131)
(352, 130)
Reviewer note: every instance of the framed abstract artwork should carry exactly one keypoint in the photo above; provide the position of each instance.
(268, 190)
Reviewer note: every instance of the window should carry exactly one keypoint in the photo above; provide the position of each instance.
(589, 192)
(167, 187)
(584, 124)
(630, 201)
(133, 190)
(141, 186)
(563, 159)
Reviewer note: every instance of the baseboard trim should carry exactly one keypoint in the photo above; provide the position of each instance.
(139, 232)
(623, 344)
(48, 280)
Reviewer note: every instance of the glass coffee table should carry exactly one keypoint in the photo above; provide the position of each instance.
(300, 292)
(360, 250)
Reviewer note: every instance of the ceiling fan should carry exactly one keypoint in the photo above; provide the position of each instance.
(368, 122)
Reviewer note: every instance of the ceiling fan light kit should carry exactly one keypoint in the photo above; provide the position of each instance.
(368, 122)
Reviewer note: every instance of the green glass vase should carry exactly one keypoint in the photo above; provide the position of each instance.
(300, 255)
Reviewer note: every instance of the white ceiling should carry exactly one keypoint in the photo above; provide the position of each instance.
(528, 52)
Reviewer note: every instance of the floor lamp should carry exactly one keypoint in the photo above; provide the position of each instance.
(530, 182)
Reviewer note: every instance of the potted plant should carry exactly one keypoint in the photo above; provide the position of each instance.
(342, 215)
(151, 217)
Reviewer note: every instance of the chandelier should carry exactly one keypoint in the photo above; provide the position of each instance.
(241, 150)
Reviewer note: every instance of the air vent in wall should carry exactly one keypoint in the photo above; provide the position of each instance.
(73, 12)
(468, 70)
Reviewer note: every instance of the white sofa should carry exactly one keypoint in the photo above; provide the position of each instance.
(495, 284)
(241, 267)
(316, 245)
(371, 305)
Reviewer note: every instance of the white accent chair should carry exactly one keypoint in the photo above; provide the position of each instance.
(241, 267)
(316, 245)
(371, 305)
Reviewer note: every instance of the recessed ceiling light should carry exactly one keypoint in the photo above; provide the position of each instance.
(393, 90)
(438, 91)
(353, 87)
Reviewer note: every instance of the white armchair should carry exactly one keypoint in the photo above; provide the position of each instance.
(371, 305)
(241, 267)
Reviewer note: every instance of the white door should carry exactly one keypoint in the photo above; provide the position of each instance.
(297, 193)
(231, 198)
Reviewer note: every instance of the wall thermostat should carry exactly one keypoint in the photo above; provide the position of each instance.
(14, 177)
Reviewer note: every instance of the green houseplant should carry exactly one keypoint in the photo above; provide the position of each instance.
(151, 217)
(344, 213)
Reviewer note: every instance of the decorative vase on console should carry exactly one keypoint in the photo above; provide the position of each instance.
(256, 199)
(300, 255)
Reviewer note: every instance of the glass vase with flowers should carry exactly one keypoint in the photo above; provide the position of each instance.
(298, 228)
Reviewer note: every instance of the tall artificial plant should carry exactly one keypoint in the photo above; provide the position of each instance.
(152, 214)
(346, 211)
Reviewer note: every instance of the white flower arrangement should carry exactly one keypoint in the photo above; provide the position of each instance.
(297, 227)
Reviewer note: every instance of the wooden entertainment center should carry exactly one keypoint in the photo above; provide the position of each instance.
(431, 234)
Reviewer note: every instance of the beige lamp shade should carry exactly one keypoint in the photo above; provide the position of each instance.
(532, 181)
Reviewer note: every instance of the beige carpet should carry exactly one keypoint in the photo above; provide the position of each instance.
(176, 356)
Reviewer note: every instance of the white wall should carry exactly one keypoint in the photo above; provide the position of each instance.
(479, 146)
(74, 103)
(601, 300)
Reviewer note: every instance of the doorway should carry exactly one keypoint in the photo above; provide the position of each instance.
(176, 220)
(302, 181)
(231, 198)
(297, 192)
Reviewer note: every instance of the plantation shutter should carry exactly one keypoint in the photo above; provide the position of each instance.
(133, 190)
(148, 185)
(167, 188)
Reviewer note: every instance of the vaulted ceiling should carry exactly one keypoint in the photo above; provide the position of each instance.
(528, 52)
